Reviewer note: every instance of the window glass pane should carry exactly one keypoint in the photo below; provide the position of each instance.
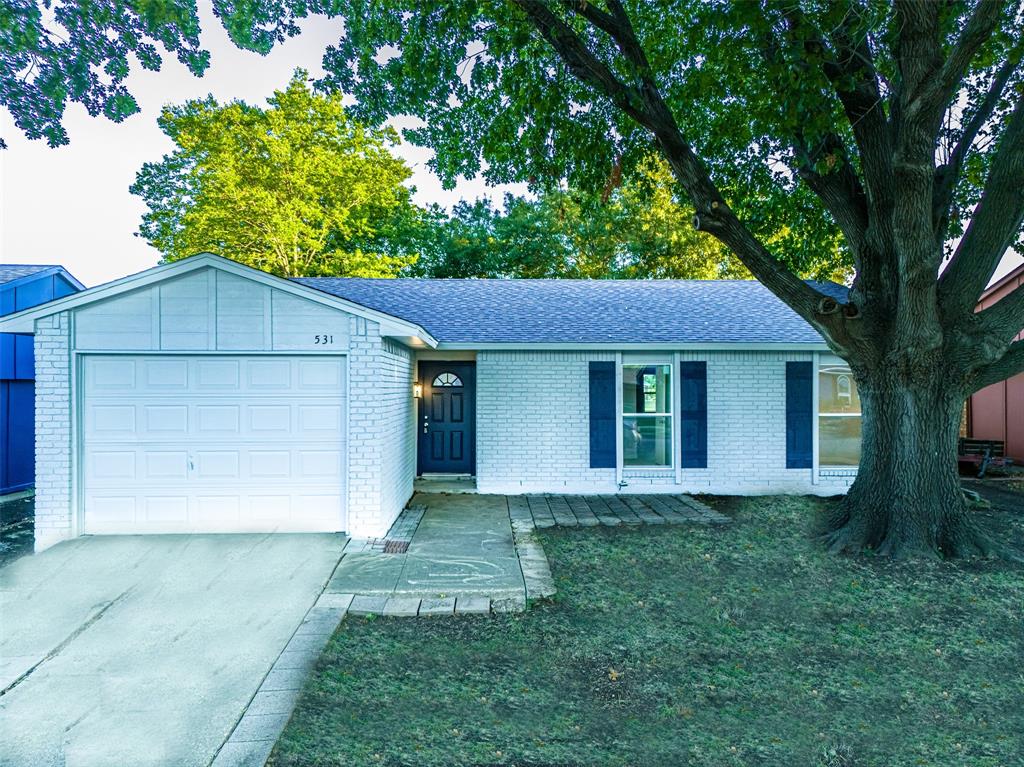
(839, 440)
(647, 388)
(837, 391)
(647, 441)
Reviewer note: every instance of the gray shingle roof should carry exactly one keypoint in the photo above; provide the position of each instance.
(584, 311)
(12, 272)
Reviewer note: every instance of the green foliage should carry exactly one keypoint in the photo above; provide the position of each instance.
(56, 52)
(295, 189)
(739, 646)
(634, 229)
(495, 99)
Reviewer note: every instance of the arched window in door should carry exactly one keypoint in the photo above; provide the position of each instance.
(446, 379)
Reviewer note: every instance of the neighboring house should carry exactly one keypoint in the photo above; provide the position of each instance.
(207, 396)
(997, 412)
(22, 286)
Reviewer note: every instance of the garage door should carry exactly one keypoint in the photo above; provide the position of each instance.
(213, 444)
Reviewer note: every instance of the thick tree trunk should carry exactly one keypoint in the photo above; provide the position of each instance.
(906, 500)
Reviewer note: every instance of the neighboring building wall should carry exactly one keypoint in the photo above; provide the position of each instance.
(533, 428)
(54, 504)
(997, 411)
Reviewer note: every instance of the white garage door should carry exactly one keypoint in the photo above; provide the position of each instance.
(213, 444)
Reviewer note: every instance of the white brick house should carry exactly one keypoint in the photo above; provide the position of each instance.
(207, 396)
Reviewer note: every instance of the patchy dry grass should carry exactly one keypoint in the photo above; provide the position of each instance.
(673, 646)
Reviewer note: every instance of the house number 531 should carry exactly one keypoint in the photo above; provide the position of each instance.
(323, 339)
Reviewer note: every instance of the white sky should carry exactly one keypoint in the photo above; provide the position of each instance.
(71, 206)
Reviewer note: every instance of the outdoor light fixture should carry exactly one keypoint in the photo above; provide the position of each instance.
(417, 390)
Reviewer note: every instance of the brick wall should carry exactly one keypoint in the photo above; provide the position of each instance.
(533, 423)
(533, 428)
(397, 429)
(53, 505)
(381, 453)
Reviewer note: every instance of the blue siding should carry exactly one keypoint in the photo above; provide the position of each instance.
(602, 415)
(17, 418)
(17, 374)
(693, 377)
(799, 415)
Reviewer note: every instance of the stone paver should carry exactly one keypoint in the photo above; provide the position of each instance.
(611, 510)
(402, 607)
(436, 607)
(472, 606)
(367, 605)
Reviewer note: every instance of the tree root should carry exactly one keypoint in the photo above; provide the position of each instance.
(854, 532)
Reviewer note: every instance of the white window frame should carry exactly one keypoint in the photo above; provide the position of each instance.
(624, 361)
(828, 360)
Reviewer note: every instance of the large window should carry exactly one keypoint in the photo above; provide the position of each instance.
(647, 415)
(838, 415)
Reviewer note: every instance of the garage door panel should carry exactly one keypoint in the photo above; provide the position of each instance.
(115, 421)
(165, 375)
(246, 445)
(269, 464)
(216, 375)
(114, 375)
(216, 464)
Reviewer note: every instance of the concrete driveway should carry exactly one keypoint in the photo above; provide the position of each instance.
(145, 650)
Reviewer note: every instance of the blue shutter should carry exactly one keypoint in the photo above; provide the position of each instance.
(799, 415)
(602, 415)
(694, 380)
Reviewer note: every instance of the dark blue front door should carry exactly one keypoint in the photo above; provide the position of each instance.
(447, 418)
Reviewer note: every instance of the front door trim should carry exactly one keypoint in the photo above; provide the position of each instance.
(437, 436)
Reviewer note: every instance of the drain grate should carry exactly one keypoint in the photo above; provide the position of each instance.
(396, 547)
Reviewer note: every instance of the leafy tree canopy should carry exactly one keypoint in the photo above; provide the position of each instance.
(56, 52)
(633, 228)
(295, 189)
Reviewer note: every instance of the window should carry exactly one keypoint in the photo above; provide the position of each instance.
(839, 417)
(446, 379)
(647, 415)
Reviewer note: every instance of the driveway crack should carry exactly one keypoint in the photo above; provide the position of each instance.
(67, 640)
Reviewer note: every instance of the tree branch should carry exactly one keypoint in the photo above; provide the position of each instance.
(840, 189)
(938, 91)
(645, 105)
(948, 175)
(1010, 364)
(863, 104)
(994, 227)
(1005, 318)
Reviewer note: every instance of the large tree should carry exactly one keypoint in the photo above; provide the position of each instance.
(898, 126)
(296, 189)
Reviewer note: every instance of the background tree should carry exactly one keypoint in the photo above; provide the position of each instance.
(895, 126)
(632, 228)
(294, 189)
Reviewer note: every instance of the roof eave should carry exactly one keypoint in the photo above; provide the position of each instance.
(618, 346)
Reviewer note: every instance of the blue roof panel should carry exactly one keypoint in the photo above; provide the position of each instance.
(584, 311)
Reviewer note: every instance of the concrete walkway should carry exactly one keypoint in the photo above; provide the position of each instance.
(146, 650)
(460, 555)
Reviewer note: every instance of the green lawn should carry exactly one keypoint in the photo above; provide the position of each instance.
(740, 645)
